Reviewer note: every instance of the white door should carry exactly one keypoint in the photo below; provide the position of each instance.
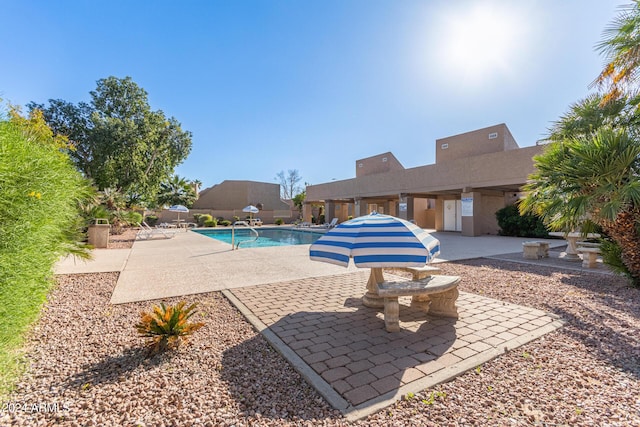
(452, 215)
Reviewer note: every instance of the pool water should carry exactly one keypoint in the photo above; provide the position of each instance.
(267, 237)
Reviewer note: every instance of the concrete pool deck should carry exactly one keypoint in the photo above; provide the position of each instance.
(191, 263)
(311, 312)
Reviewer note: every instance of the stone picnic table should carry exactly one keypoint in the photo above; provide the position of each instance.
(435, 294)
(572, 238)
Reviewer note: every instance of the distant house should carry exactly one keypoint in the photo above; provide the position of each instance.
(475, 174)
(228, 198)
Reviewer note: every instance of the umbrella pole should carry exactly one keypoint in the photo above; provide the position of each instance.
(371, 297)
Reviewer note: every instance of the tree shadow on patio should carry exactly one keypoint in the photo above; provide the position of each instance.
(347, 353)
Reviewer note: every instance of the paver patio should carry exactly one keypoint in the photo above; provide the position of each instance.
(321, 326)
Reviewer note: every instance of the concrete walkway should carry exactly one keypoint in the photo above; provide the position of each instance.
(191, 263)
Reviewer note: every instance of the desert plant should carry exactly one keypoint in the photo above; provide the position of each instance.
(204, 218)
(612, 256)
(40, 221)
(166, 327)
(211, 223)
(279, 221)
(225, 223)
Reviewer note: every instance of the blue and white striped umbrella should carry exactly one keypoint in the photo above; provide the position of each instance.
(375, 241)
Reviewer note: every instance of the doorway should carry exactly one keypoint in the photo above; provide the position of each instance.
(452, 215)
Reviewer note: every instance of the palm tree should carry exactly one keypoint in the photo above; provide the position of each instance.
(592, 178)
(176, 191)
(621, 48)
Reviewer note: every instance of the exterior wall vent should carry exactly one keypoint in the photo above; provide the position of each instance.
(444, 146)
(360, 165)
(384, 159)
(493, 135)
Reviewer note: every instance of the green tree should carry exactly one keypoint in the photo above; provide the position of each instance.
(591, 179)
(117, 140)
(176, 191)
(621, 48)
(298, 200)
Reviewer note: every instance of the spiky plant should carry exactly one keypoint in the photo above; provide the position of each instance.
(166, 327)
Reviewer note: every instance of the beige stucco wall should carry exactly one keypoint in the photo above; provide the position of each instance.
(229, 195)
(488, 222)
(510, 167)
(385, 162)
(475, 143)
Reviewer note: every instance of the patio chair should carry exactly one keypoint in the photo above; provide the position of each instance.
(147, 232)
(331, 224)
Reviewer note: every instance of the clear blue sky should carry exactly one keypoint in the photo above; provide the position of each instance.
(273, 85)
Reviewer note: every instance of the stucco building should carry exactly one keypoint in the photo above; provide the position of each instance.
(228, 198)
(475, 174)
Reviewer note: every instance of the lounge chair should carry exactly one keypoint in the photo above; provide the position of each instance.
(331, 224)
(147, 232)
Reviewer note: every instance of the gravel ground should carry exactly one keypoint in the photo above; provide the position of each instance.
(87, 359)
(124, 240)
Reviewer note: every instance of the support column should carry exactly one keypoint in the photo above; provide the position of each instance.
(387, 208)
(358, 207)
(471, 213)
(307, 212)
(405, 207)
(329, 210)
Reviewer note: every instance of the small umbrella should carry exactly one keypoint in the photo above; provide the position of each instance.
(251, 210)
(178, 209)
(376, 241)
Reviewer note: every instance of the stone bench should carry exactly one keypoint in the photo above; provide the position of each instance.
(419, 273)
(436, 295)
(588, 245)
(589, 256)
(535, 250)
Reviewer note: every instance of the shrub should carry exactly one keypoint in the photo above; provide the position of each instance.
(196, 218)
(204, 218)
(225, 222)
(132, 218)
(511, 223)
(40, 220)
(279, 221)
(152, 220)
(612, 256)
(167, 327)
(211, 223)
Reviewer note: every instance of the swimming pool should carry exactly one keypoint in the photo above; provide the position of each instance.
(267, 236)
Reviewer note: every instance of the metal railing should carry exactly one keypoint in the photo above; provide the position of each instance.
(235, 246)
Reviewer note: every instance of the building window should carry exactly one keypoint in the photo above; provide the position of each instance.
(493, 135)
